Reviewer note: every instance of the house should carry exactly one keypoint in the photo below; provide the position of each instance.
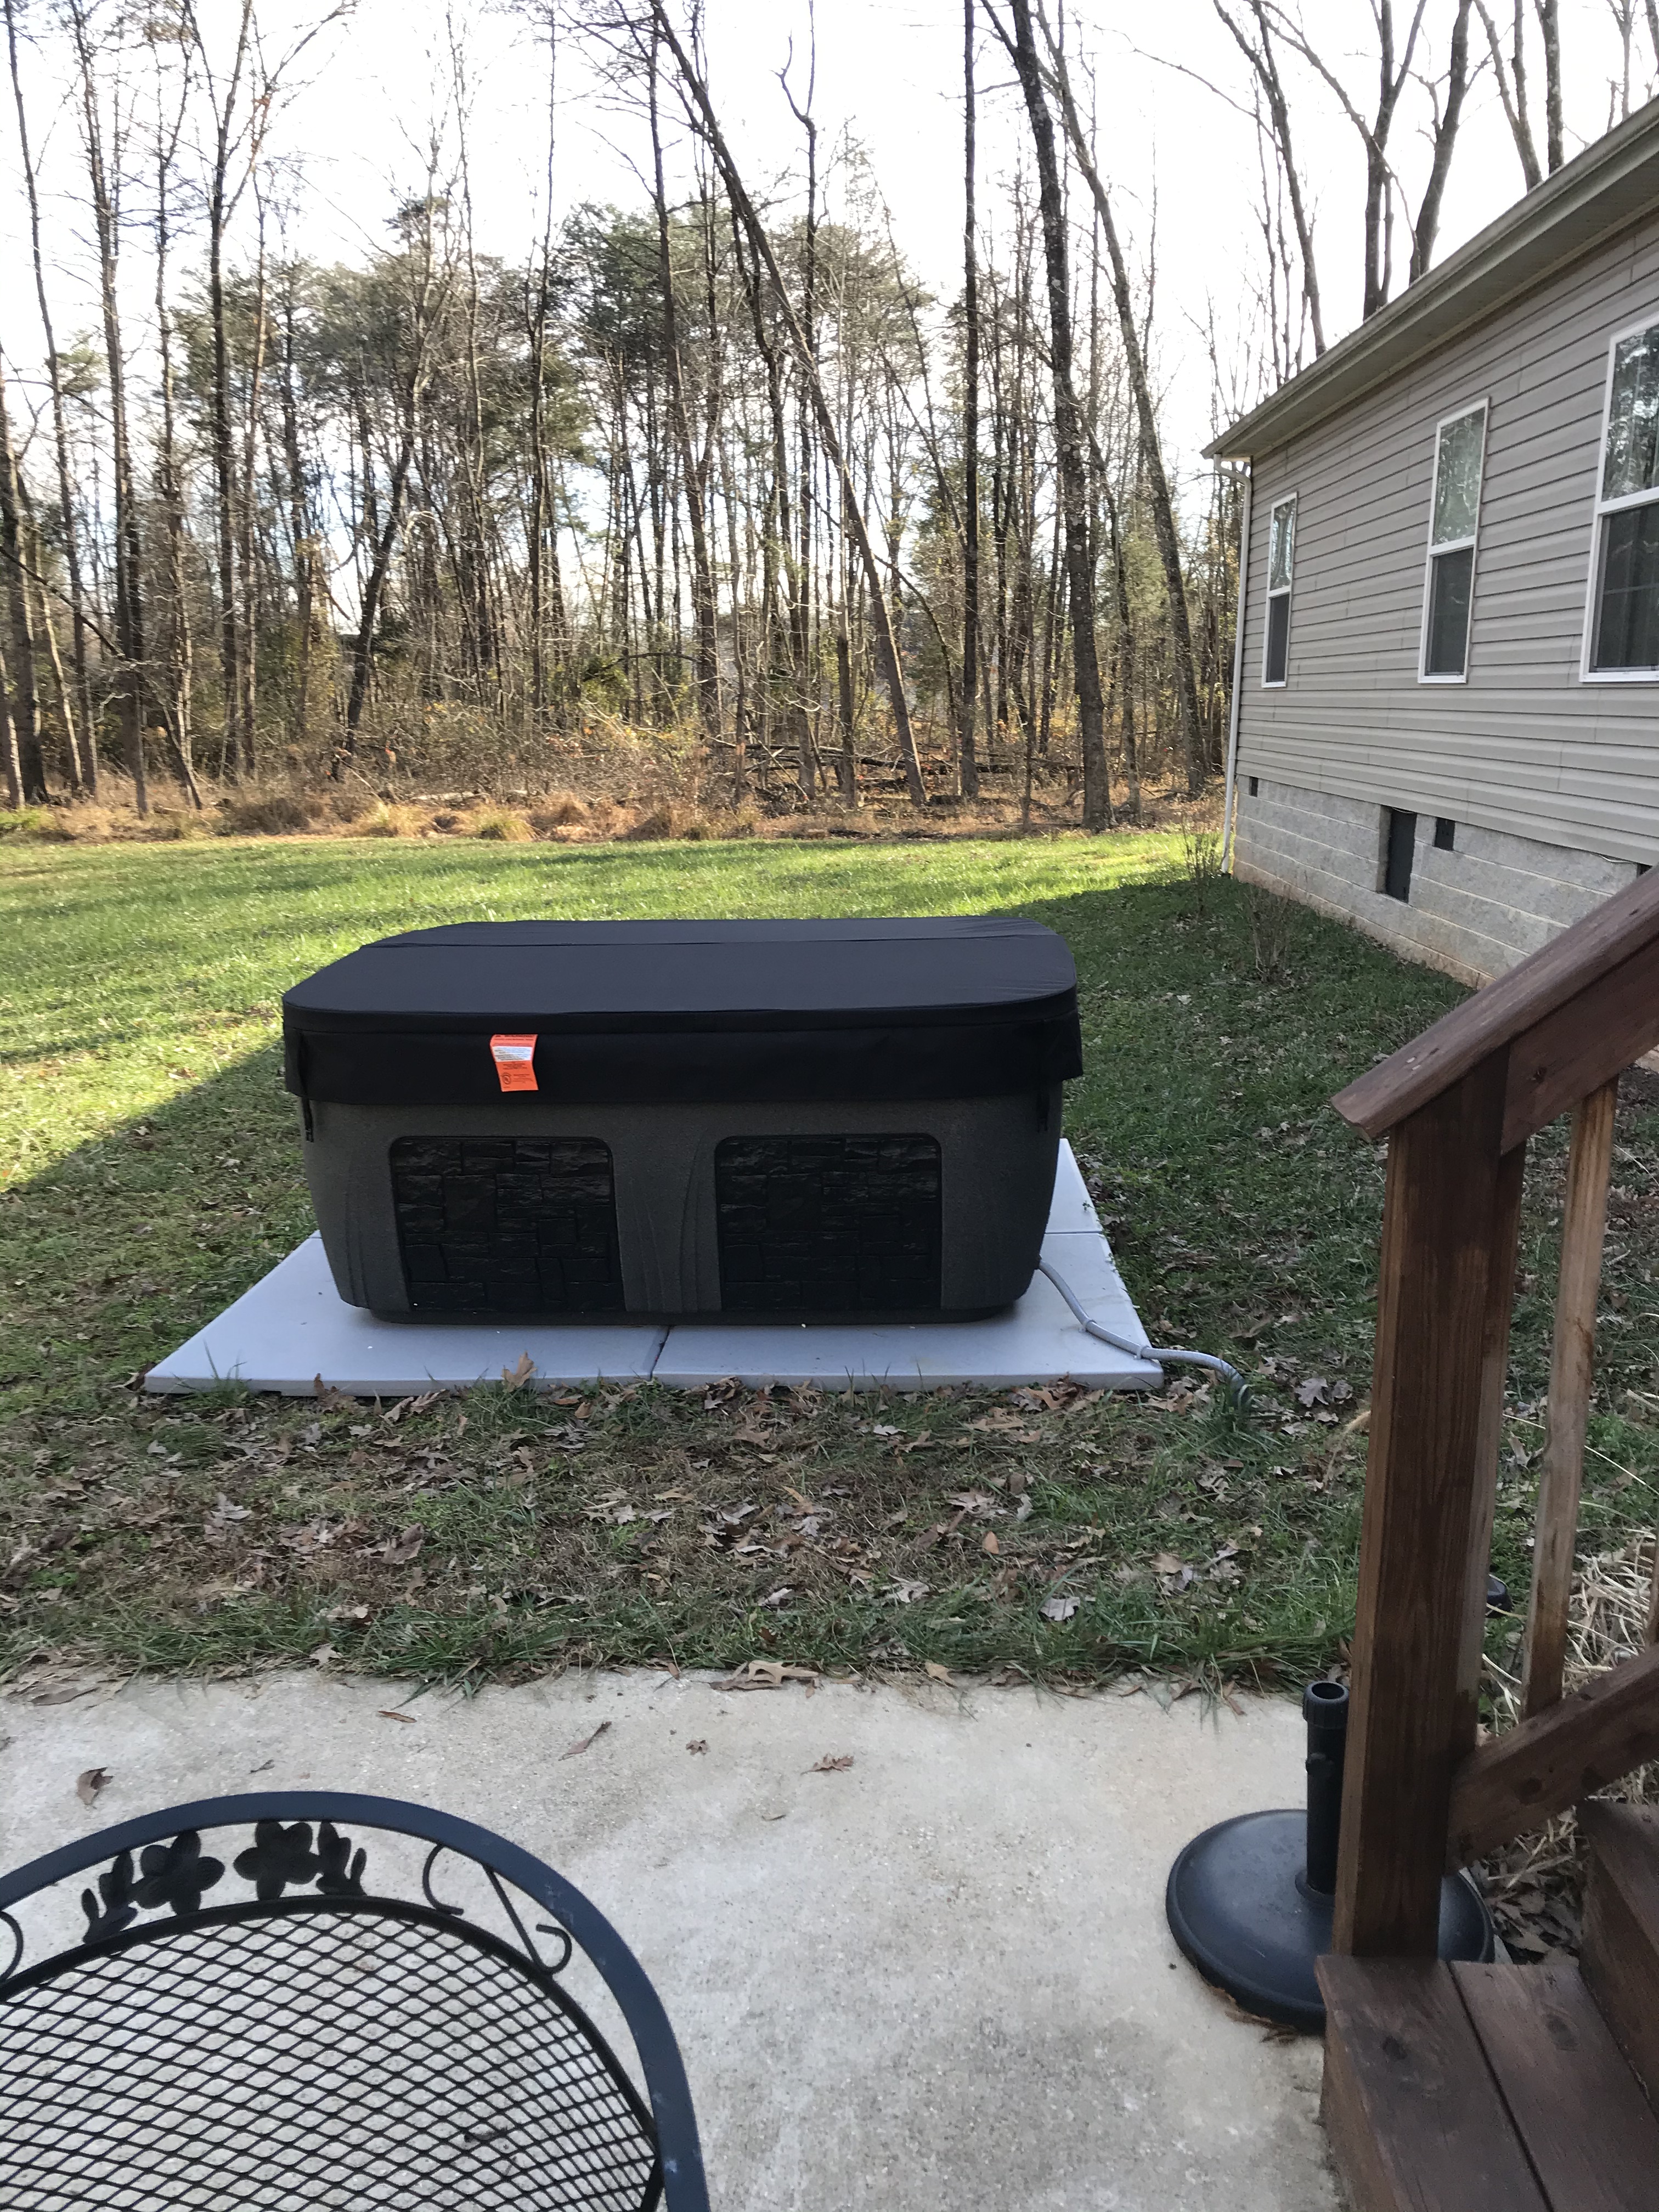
(1446, 710)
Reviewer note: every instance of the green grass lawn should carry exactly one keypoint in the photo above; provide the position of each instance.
(152, 1172)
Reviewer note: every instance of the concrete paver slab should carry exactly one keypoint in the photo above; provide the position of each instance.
(937, 1981)
(293, 1327)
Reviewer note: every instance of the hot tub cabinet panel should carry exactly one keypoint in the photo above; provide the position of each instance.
(878, 1191)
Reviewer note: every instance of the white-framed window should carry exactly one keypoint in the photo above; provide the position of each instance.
(1621, 626)
(1281, 567)
(1460, 455)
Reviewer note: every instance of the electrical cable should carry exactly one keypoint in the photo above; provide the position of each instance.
(1237, 1388)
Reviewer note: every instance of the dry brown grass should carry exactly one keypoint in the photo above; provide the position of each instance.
(1534, 1886)
(384, 821)
(634, 791)
(500, 827)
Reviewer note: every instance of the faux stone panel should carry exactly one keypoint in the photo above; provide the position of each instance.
(827, 1225)
(507, 1225)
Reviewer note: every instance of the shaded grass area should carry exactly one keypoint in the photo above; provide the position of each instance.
(153, 1172)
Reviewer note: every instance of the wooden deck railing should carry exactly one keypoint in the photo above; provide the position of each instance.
(1458, 1106)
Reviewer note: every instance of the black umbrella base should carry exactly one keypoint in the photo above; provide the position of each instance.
(1239, 1908)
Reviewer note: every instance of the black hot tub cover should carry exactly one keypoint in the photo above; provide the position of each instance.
(665, 1013)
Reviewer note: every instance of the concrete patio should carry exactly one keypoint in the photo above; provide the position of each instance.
(937, 1980)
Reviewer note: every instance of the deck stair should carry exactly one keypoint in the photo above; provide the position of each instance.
(1506, 2088)
(1491, 2089)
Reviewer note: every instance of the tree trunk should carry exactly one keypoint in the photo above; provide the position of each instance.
(1068, 437)
(220, 202)
(1548, 23)
(298, 518)
(83, 763)
(968, 763)
(1157, 484)
(169, 483)
(25, 695)
(248, 669)
(695, 477)
(127, 544)
(1445, 137)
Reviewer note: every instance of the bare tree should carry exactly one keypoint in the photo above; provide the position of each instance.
(1257, 47)
(1158, 483)
(230, 128)
(701, 108)
(84, 765)
(694, 467)
(1068, 432)
(25, 708)
(967, 763)
(1449, 114)
(103, 175)
(169, 479)
(1394, 67)
(1511, 73)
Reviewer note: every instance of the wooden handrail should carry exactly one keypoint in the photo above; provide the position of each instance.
(1577, 969)
(1594, 1735)
(1458, 1106)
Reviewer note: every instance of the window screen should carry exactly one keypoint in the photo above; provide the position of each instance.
(1281, 565)
(1625, 626)
(1459, 455)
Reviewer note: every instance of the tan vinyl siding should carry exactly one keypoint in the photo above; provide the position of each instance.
(1523, 746)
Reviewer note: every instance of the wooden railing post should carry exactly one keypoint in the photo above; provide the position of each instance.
(1572, 1362)
(1494, 1375)
(1448, 1232)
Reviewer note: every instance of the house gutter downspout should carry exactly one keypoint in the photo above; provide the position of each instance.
(1239, 674)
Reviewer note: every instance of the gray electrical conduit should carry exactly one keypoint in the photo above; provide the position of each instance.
(1238, 1389)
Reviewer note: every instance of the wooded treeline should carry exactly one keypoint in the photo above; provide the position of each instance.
(710, 467)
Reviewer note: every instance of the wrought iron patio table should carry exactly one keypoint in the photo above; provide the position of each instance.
(334, 2002)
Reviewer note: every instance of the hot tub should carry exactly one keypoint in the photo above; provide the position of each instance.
(796, 1120)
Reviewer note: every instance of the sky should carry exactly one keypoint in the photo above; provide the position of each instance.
(1180, 160)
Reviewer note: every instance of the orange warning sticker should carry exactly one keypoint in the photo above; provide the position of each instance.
(515, 1059)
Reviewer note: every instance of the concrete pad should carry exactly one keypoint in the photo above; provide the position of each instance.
(293, 1327)
(939, 1981)
(1036, 1340)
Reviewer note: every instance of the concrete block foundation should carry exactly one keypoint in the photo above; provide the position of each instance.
(1472, 911)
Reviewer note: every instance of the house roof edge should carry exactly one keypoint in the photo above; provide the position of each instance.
(1611, 184)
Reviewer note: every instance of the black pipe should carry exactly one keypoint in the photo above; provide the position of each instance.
(1325, 1709)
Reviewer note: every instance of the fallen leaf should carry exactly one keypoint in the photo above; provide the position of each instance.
(904, 1593)
(1312, 1390)
(766, 1675)
(936, 1673)
(323, 1654)
(584, 1742)
(400, 1550)
(226, 1508)
(828, 1766)
(1165, 1563)
(700, 1743)
(88, 1785)
(515, 1378)
(990, 1543)
(386, 1713)
(779, 1596)
(1059, 1608)
(784, 1815)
